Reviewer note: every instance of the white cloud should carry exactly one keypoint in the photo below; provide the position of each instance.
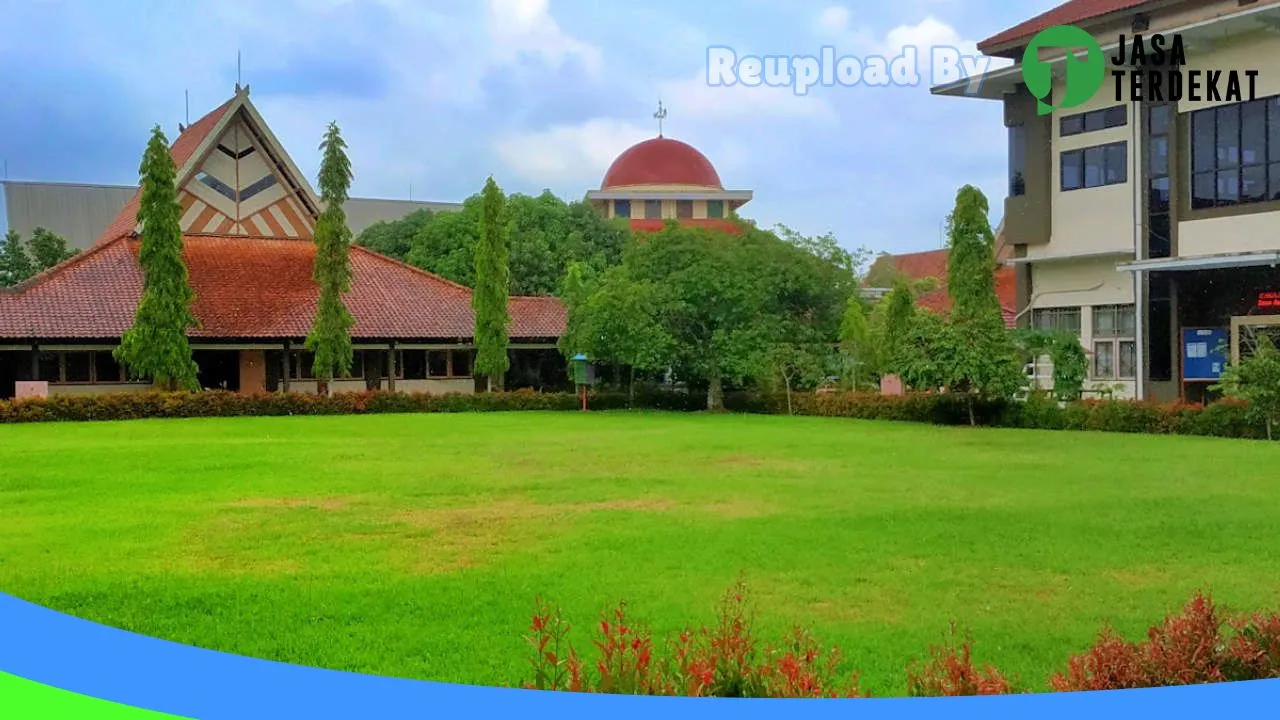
(520, 27)
(836, 23)
(569, 154)
(694, 98)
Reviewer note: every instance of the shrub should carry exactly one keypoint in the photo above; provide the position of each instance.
(950, 671)
(721, 661)
(1188, 648)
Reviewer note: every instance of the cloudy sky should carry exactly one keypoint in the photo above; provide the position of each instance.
(435, 95)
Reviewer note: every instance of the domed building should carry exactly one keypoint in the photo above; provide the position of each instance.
(661, 179)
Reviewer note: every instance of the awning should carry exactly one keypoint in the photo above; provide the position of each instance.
(1067, 258)
(1205, 262)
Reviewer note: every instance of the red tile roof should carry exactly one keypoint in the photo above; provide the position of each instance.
(1068, 13)
(254, 288)
(712, 223)
(182, 149)
(933, 264)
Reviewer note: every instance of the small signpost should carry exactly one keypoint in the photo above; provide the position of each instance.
(584, 374)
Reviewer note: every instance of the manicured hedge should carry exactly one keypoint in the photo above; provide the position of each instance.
(1222, 419)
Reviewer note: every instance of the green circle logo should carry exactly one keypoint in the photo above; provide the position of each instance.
(1083, 77)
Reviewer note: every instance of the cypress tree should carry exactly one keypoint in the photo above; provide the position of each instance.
(156, 346)
(330, 336)
(15, 262)
(490, 297)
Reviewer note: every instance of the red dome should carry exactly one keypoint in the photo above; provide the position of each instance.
(661, 161)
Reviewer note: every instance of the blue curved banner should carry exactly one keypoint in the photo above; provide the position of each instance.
(60, 651)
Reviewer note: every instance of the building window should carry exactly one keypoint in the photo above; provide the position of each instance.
(443, 364)
(684, 209)
(1093, 121)
(460, 363)
(652, 209)
(413, 364)
(1017, 160)
(1235, 154)
(1096, 166)
(1159, 192)
(217, 185)
(80, 367)
(715, 209)
(622, 209)
(1057, 320)
(1114, 348)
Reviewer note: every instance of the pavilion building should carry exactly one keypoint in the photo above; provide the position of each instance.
(248, 215)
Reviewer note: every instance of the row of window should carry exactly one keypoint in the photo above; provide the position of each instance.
(1115, 349)
(1095, 166)
(229, 192)
(1235, 154)
(1094, 120)
(80, 367)
(410, 364)
(653, 209)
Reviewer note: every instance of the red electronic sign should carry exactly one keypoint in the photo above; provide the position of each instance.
(1269, 300)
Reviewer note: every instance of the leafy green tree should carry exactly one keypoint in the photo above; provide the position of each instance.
(395, 238)
(1256, 381)
(157, 346)
(49, 249)
(544, 236)
(797, 363)
(614, 321)
(15, 261)
(895, 323)
(1070, 364)
(330, 336)
(491, 295)
(983, 359)
(857, 343)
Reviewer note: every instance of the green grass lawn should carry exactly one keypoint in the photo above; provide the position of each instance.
(414, 545)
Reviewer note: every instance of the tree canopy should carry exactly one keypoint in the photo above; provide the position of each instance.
(544, 236)
(20, 260)
(157, 346)
(492, 287)
(330, 336)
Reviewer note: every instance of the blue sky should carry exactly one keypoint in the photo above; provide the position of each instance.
(438, 94)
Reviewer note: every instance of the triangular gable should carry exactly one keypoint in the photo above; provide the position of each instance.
(234, 178)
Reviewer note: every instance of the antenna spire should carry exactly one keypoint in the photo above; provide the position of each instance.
(237, 71)
(660, 115)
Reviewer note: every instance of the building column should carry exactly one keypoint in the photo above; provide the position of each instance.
(285, 362)
(35, 361)
(391, 368)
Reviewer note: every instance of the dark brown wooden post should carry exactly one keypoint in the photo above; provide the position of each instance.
(391, 368)
(285, 365)
(35, 361)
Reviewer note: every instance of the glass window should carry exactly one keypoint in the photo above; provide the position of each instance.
(462, 363)
(1158, 200)
(1253, 183)
(1273, 129)
(1057, 319)
(1072, 170)
(305, 365)
(1202, 141)
(1158, 231)
(622, 209)
(77, 367)
(1228, 144)
(1094, 121)
(1273, 181)
(653, 209)
(257, 187)
(1253, 133)
(1111, 321)
(1117, 116)
(1104, 361)
(1128, 359)
(1158, 119)
(1203, 191)
(438, 363)
(715, 209)
(684, 209)
(1159, 156)
(105, 367)
(1095, 159)
(1228, 186)
(49, 365)
(1071, 125)
(1017, 160)
(1117, 165)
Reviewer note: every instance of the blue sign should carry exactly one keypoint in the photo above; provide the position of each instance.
(1204, 353)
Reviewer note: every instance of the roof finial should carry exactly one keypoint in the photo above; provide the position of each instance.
(660, 115)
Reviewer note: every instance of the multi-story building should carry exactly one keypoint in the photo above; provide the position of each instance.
(1149, 226)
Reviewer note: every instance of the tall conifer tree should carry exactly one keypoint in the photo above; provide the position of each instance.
(330, 336)
(156, 346)
(491, 294)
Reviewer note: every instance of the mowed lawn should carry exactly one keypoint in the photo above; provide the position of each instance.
(415, 545)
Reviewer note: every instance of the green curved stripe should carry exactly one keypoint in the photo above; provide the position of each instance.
(22, 699)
